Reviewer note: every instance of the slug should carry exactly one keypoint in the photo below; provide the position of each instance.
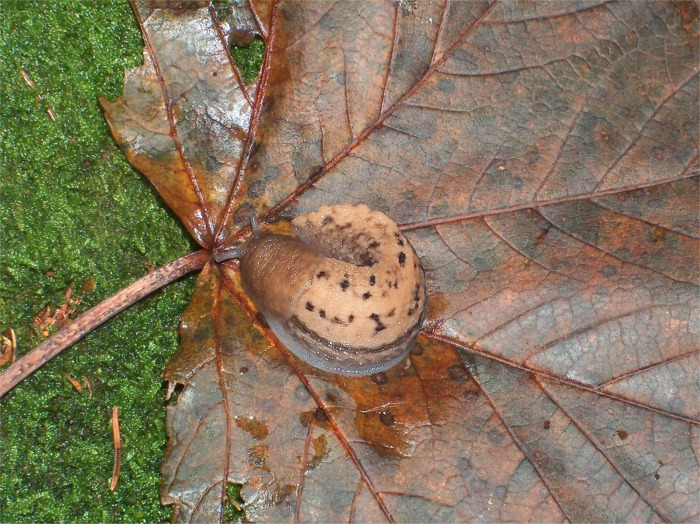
(347, 295)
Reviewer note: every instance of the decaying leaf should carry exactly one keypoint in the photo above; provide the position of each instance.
(53, 319)
(9, 346)
(542, 158)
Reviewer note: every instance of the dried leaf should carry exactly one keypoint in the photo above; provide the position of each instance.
(184, 115)
(9, 347)
(541, 157)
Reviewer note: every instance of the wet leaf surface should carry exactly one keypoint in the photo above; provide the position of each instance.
(541, 157)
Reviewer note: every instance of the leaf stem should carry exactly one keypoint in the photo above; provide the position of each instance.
(98, 315)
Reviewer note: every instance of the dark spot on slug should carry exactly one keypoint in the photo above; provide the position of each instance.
(309, 306)
(416, 293)
(374, 245)
(366, 296)
(367, 260)
(326, 220)
(399, 240)
(344, 284)
(322, 274)
(396, 284)
(391, 313)
(402, 259)
(372, 280)
(336, 320)
(351, 318)
(380, 325)
(322, 313)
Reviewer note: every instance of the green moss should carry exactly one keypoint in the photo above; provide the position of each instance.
(249, 58)
(71, 208)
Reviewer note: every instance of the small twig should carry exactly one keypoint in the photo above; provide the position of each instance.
(117, 449)
(99, 314)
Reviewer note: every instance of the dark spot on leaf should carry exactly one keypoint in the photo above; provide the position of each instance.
(261, 320)
(333, 395)
(256, 427)
(446, 85)
(256, 188)
(321, 450)
(309, 306)
(322, 313)
(608, 270)
(457, 372)
(321, 418)
(387, 418)
(316, 170)
(301, 392)
(495, 436)
(256, 455)
(305, 417)
(380, 378)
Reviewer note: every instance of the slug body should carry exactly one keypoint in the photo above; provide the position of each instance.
(347, 296)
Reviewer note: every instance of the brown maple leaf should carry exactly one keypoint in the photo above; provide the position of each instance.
(541, 157)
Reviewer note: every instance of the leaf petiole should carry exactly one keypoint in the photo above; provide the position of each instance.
(98, 315)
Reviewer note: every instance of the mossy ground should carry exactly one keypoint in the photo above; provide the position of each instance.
(72, 209)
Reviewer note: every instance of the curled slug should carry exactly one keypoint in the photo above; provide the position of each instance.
(347, 296)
